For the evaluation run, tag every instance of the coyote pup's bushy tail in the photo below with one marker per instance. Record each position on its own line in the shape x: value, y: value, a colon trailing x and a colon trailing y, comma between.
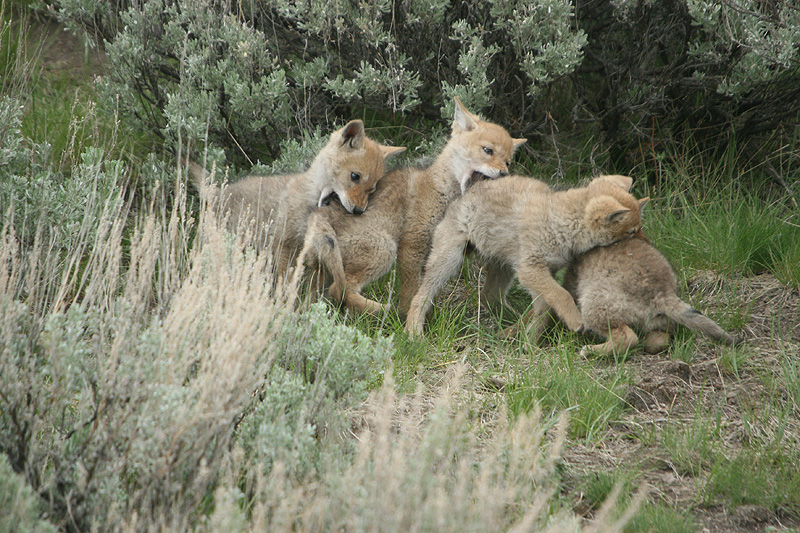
x: 201, y: 178
x: 684, y: 314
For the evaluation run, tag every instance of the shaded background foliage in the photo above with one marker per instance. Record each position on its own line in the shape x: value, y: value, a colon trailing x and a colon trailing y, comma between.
x: 661, y: 71
x: 243, y: 75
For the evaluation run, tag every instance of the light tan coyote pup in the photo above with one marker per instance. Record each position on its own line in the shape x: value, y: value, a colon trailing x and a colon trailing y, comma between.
x: 403, y: 213
x: 627, y: 285
x: 519, y: 226
x: 349, y: 166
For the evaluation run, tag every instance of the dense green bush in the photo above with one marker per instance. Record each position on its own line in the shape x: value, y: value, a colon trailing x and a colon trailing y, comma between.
x: 656, y: 72
x: 246, y: 75
x: 19, y: 504
x: 322, y: 370
x: 130, y: 397
x: 173, y: 396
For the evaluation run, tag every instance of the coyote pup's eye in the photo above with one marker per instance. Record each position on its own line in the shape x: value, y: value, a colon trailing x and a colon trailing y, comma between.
x: 488, y: 150
x: 355, y: 176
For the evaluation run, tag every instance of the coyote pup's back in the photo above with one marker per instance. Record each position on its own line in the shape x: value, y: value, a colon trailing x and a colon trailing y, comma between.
x: 628, y: 285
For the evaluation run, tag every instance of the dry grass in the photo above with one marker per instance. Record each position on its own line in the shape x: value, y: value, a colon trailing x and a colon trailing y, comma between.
x: 123, y: 385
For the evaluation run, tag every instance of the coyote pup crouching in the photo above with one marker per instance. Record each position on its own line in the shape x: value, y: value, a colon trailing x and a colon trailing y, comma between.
x: 519, y: 226
x: 628, y: 285
x: 276, y: 208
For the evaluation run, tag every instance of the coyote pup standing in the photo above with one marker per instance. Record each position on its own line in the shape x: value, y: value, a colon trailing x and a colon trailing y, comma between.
x: 349, y: 166
x: 404, y: 211
x: 631, y: 284
x: 522, y: 227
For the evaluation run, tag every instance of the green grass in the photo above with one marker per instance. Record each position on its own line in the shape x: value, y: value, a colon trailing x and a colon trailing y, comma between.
x: 734, y: 359
x: 691, y: 446
x: 10, y: 34
x: 768, y: 477
x: 790, y: 379
x: 763, y: 473
x: 659, y: 517
x: 63, y: 116
x: 730, y: 231
x: 596, y: 487
x: 65, y: 113
x: 682, y: 346
x: 554, y: 382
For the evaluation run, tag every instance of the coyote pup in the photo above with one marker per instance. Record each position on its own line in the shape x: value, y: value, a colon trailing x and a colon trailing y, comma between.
x: 628, y: 285
x: 349, y: 166
x: 403, y: 214
x: 522, y: 227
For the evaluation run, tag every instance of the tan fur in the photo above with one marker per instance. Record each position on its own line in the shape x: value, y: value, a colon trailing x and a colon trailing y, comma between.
x: 277, y: 208
x: 523, y: 228
x: 630, y: 286
x: 404, y: 211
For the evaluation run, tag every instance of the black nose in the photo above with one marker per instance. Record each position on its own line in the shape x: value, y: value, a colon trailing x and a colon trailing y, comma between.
x: 357, y: 210
x: 503, y: 173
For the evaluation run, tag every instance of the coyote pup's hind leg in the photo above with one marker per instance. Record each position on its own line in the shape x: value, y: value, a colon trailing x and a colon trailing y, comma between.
x: 496, y: 283
x: 656, y: 341
x: 620, y: 340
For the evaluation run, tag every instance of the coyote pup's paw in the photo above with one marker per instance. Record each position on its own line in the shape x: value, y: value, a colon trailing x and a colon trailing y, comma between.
x: 589, y: 349
x: 594, y: 349
x: 656, y: 342
x: 375, y: 308
x: 510, y: 332
x: 414, y: 331
x: 574, y: 321
x: 335, y: 293
x: 414, y: 325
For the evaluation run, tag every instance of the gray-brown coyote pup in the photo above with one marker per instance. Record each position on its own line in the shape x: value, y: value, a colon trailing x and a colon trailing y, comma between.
x: 521, y: 227
x: 628, y: 285
x: 403, y: 213
x: 278, y: 207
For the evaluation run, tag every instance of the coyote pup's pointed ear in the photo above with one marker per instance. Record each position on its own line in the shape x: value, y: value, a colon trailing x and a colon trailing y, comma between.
x: 615, y: 216
x: 352, y: 134
x: 462, y: 119
x: 516, y: 143
x: 389, y: 151
x: 643, y: 202
x: 623, y: 182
